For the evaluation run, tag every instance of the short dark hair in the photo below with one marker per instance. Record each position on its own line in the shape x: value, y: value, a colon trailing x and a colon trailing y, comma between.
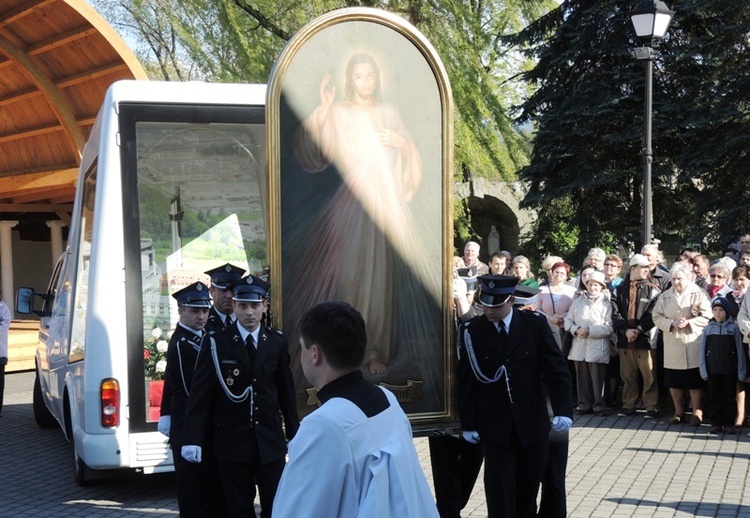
x: 339, y: 330
x: 498, y: 254
x: 701, y: 258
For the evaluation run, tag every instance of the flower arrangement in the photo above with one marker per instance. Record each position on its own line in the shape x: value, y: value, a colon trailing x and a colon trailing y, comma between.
x: 155, y: 355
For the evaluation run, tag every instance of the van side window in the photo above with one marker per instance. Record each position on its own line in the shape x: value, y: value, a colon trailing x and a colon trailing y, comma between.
x: 49, y: 298
x: 80, y: 304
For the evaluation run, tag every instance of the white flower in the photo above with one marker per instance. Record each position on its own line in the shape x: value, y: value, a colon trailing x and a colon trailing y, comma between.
x: 162, y: 346
x: 161, y: 365
x: 156, y: 332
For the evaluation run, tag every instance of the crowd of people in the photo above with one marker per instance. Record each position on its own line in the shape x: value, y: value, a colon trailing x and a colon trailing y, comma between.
x: 639, y: 335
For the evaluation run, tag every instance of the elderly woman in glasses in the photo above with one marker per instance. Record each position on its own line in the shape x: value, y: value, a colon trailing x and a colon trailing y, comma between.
x: 682, y: 312
x: 718, y: 277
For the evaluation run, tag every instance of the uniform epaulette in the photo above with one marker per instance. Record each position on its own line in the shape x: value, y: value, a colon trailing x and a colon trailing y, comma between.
x: 216, y: 332
x: 274, y: 330
x: 531, y: 313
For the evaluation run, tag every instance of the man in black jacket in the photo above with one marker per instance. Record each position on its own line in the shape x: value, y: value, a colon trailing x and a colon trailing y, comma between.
x: 221, y: 314
x: 632, y: 304
x: 198, y: 488
x: 507, y: 358
x: 242, y: 387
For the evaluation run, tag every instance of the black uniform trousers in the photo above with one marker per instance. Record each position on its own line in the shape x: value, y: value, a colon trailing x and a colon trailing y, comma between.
x: 455, y: 467
x: 238, y: 482
x: 194, y: 497
x: 553, y: 503
x: 512, y: 475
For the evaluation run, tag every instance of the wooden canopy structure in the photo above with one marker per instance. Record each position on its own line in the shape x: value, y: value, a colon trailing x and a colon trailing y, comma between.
x: 57, y: 59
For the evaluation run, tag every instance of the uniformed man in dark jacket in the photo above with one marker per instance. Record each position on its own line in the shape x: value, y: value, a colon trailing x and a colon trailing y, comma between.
x: 506, y: 359
x: 221, y: 314
x: 242, y: 387
x: 198, y: 489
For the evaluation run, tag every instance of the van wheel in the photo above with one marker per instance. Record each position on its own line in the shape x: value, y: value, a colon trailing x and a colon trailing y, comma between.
x: 42, y: 415
x: 81, y: 471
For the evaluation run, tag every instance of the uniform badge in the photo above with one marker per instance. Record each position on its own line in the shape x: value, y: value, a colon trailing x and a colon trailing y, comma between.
x: 491, y: 285
x: 236, y: 372
x: 230, y: 381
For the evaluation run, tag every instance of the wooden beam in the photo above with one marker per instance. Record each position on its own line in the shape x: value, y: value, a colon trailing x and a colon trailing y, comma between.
x: 42, y: 130
x: 57, y: 102
x: 90, y: 74
x: 33, y: 132
x: 64, y: 216
x: 44, y: 170
x: 27, y: 7
x: 34, y: 207
x: 60, y: 39
x: 50, y: 179
x: 69, y: 197
x: 44, y: 194
x: 20, y: 96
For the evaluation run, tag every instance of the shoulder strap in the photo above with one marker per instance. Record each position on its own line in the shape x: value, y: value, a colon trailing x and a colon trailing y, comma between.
x: 554, y: 311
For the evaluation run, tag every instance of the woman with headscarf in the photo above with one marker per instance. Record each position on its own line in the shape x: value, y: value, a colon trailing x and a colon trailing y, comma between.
x: 681, y: 313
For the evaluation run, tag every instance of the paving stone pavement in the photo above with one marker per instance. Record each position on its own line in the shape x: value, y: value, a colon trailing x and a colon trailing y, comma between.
x: 617, y: 467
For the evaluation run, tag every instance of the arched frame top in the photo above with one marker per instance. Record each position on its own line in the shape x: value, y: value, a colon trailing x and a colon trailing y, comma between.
x: 309, y: 42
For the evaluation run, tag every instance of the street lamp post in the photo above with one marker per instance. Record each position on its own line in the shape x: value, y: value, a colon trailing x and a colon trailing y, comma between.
x: 651, y: 20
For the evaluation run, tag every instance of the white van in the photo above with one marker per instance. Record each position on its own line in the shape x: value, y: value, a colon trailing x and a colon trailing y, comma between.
x: 171, y: 185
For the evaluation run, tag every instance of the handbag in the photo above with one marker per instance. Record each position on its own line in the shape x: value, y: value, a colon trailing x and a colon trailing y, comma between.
x: 566, y: 339
x: 567, y: 342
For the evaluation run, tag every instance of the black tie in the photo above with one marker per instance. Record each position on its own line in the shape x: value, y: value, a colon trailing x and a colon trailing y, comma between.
x: 501, y: 329
x: 250, y: 344
x: 228, y: 322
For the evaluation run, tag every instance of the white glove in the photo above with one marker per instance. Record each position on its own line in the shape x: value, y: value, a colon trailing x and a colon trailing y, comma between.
x: 560, y: 423
x: 191, y: 453
x: 459, y: 287
x: 472, y: 437
x: 164, y: 424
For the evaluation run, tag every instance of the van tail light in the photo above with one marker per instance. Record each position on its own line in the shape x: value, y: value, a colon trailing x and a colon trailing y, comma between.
x: 110, y: 403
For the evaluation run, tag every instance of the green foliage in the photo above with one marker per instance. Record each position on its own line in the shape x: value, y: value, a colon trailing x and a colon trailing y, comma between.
x: 238, y: 40
x: 588, y: 114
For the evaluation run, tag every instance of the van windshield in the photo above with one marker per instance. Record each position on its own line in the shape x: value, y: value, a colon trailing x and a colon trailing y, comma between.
x: 200, y: 206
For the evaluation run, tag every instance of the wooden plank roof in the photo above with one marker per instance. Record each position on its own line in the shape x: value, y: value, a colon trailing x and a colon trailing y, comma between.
x: 57, y: 59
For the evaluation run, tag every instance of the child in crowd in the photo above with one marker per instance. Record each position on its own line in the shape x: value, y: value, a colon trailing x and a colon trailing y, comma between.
x: 722, y: 363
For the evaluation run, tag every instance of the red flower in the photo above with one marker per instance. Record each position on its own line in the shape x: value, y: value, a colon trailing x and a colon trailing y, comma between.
x: 146, y: 354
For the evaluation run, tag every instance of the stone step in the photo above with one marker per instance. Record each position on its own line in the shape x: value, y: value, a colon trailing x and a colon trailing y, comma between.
x: 23, y: 339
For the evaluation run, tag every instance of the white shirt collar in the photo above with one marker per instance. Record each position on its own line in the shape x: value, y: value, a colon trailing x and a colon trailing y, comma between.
x: 198, y: 332
x: 244, y: 332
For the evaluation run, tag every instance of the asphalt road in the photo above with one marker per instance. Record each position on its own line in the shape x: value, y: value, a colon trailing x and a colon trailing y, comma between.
x: 36, y: 478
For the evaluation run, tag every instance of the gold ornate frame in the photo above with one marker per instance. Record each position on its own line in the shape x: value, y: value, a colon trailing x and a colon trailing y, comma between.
x: 385, y: 23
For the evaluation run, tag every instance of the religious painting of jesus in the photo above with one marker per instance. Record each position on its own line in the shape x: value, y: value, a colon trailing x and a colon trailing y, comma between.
x: 363, y: 200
